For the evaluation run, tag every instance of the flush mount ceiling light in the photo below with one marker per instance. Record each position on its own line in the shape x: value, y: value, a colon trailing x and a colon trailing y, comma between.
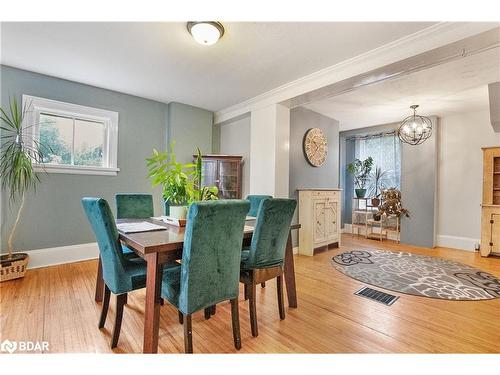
x: 415, y: 129
x: 206, y: 32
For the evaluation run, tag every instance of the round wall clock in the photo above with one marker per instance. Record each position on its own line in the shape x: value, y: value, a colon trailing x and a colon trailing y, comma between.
x: 315, y: 147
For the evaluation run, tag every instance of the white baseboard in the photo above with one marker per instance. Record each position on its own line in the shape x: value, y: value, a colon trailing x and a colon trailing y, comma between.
x: 295, y: 250
x: 63, y: 254
x: 455, y: 242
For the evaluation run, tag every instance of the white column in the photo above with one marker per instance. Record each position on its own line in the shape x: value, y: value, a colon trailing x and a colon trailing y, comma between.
x: 269, y: 150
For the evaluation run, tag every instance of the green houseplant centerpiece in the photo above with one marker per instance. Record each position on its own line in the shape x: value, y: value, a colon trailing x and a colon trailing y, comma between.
x: 181, y: 183
x: 360, y: 170
x: 18, y: 154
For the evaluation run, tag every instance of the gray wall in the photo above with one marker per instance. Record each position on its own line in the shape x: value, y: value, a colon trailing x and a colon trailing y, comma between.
x: 302, y: 174
x: 189, y: 127
x: 54, y: 217
x: 419, y: 188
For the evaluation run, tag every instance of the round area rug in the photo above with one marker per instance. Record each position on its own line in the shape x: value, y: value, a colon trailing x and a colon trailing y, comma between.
x: 419, y: 275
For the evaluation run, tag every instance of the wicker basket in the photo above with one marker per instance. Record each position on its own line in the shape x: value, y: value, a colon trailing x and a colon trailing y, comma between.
x: 13, y: 268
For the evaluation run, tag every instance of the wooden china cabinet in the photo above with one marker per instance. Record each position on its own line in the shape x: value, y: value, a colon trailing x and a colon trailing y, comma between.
x: 490, y: 220
x: 225, y: 172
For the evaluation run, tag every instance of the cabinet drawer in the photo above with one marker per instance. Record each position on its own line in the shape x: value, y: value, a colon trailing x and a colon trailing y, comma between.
x: 325, y: 194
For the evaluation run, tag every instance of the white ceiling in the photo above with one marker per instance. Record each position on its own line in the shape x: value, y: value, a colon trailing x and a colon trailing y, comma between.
x: 161, y: 61
x: 446, y: 89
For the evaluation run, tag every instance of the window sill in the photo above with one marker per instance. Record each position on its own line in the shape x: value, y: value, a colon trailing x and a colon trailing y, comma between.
x: 71, y: 169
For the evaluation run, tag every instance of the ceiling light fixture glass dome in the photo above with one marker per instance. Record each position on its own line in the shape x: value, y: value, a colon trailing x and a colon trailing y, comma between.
x: 206, y: 32
x: 415, y: 129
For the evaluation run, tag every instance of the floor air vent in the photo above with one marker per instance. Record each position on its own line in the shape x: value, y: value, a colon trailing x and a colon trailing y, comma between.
x: 376, y: 295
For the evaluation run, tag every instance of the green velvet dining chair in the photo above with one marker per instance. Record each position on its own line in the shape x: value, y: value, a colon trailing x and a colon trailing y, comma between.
x: 255, y: 203
x: 211, y: 256
x: 264, y: 259
x: 121, y: 274
x: 130, y: 206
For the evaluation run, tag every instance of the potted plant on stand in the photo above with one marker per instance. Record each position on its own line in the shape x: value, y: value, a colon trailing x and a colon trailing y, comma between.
x: 378, y: 181
x: 181, y: 183
x: 360, y: 170
x: 19, y: 153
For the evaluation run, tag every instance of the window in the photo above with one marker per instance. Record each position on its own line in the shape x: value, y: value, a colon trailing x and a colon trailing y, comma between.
x: 77, y: 139
x: 386, y: 153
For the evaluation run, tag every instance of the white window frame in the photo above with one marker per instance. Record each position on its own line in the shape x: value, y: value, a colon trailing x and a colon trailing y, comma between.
x: 38, y: 106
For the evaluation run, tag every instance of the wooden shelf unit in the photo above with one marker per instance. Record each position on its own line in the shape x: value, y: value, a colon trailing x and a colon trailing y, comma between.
x: 490, y: 210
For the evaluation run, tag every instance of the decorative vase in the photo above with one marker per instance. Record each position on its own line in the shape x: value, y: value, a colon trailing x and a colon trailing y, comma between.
x: 377, y: 216
x: 360, y: 193
x: 375, y: 202
x: 14, y: 267
x: 178, y: 212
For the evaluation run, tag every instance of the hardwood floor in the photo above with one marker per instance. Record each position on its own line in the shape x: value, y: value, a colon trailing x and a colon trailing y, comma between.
x: 56, y: 304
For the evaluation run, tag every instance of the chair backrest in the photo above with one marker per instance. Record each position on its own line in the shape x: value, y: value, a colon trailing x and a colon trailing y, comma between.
x: 255, y: 203
x: 271, y: 233
x: 211, y: 256
x: 134, y: 206
x: 103, y: 225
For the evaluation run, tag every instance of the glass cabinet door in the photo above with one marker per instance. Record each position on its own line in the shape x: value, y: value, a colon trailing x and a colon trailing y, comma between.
x: 228, y: 180
x: 209, y: 173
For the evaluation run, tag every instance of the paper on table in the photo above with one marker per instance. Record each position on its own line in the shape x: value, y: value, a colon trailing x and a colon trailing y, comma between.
x: 142, y: 226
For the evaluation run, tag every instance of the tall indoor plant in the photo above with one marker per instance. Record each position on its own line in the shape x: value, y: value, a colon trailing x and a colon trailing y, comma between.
x: 181, y: 183
x: 360, y: 170
x: 19, y: 152
x: 377, y: 182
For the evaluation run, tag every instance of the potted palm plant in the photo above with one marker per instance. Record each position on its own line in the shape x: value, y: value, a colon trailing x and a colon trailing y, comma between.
x: 360, y: 170
x: 181, y: 183
x: 377, y: 182
x: 19, y: 153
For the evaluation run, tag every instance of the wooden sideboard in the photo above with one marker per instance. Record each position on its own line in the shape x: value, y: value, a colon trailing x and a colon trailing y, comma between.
x: 319, y: 216
x: 490, y: 209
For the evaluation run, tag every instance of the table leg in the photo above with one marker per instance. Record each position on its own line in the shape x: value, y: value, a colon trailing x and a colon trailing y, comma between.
x: 291, y: 290
x: 152, y: 310
x: 99, y: 283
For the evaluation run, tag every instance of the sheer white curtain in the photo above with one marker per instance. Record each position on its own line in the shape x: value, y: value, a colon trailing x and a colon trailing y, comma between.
x: 386, y: 153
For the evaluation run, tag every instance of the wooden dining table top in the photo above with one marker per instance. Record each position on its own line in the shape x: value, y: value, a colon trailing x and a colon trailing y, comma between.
x: 170, y: 239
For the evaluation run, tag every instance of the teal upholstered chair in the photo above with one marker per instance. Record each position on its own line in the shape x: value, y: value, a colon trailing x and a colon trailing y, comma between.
x: 254, y: 209
x: 255, y: 203
x: 131, y: 206
x: 211, y: 258
x: 121, y: 274
x: 264, y: 259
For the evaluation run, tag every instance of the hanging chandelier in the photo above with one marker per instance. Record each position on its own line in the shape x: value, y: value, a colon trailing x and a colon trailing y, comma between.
x: 415, y: 129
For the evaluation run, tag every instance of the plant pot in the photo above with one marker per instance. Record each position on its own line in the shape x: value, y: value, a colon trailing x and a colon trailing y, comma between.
x: 360, y: 193
x: 375, y: 202
x: 14, y: 267
x: 178, y: 212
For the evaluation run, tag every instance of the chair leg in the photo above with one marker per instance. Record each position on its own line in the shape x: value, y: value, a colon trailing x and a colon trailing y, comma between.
x: 263, y: 285
x: 181, y: 318
x: 120, y: 302
x: 253, y: 309
x: 188, y: 334
x: 235, y: 318
x: 281, y: 304
x: 208, y: 312
x: 245, y: 288
x: 105, y: 306
x: 213, y: 309
x: 162, y: 301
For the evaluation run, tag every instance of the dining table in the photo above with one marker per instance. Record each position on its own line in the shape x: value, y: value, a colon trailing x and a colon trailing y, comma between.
x: 161, y: 247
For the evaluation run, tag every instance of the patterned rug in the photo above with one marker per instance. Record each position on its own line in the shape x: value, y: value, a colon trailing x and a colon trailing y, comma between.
x: 418, y: 275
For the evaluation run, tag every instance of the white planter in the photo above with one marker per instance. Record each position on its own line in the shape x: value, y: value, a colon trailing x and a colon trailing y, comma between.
x: 178, y: 212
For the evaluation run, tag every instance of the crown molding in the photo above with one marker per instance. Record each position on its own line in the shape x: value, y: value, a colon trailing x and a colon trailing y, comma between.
x: 424, y: 40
